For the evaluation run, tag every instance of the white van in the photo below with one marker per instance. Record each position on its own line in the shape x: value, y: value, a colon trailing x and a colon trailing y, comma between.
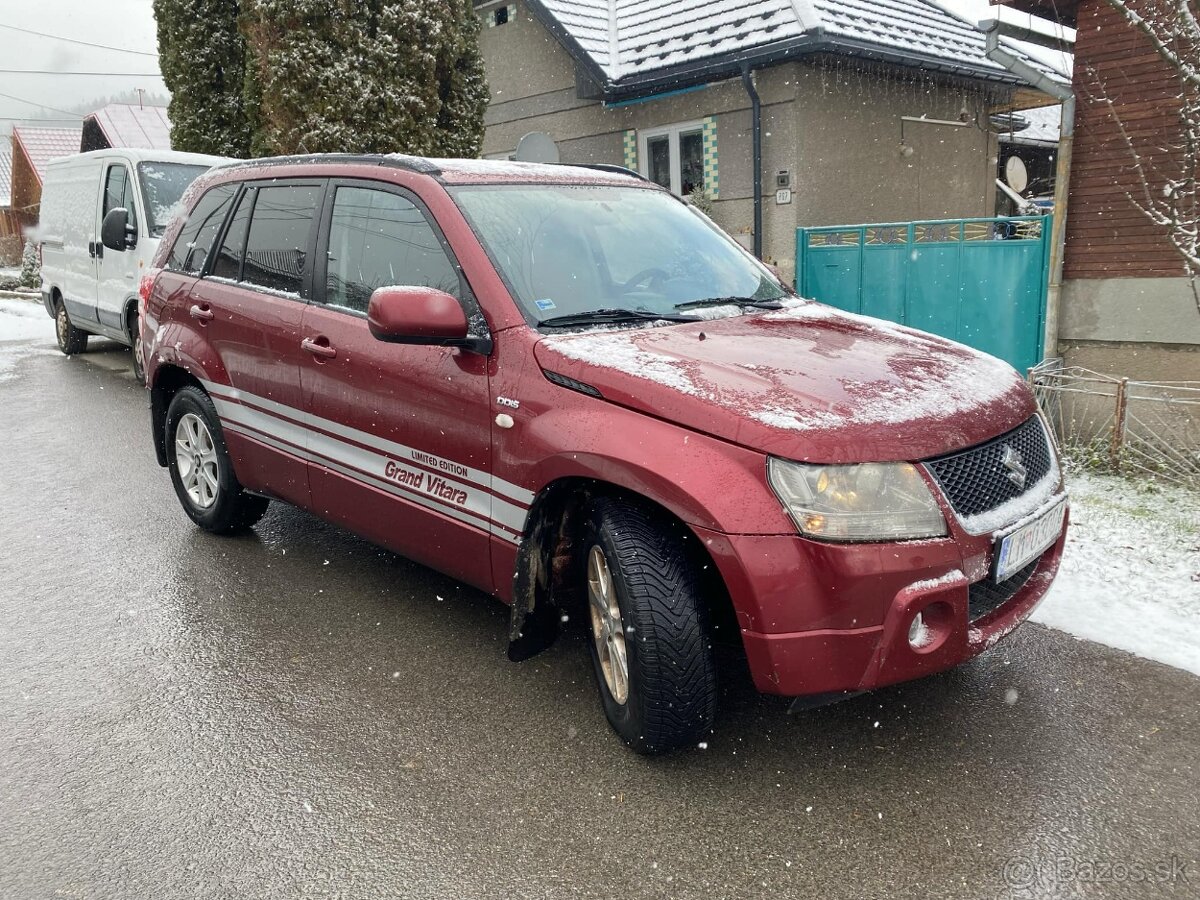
x: 102, y: 216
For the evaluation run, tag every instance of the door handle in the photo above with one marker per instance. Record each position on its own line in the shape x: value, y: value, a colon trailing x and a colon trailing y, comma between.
x: 317, y: 348
x: 203, y: 313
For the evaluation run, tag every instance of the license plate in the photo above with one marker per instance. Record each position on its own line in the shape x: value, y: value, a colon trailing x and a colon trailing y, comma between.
x: 1016, y: 550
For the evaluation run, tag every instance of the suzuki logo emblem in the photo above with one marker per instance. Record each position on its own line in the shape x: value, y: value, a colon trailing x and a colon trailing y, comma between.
x: 1015, y: 463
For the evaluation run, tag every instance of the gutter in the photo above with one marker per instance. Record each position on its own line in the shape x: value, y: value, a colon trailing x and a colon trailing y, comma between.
x: 1062, y: 175
x: 756, y: 128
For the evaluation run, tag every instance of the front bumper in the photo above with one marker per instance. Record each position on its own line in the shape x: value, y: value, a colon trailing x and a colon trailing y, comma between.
x: 821, y: 618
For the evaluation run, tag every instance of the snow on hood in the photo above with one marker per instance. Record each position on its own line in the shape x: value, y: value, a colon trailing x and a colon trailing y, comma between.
x: 806, y: 382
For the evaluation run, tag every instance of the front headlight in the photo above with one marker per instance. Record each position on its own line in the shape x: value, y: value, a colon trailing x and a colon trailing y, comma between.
x: 863, y: 502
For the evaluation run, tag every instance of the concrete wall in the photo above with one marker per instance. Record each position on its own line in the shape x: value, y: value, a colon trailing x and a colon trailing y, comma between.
x: 836, y: 130
x: 1147, y: 329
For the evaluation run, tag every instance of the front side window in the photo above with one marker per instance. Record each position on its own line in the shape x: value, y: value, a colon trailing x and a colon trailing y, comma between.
x: 118, y: 193
x: 674, y: 157
x: 567, y: 250
x: 163, y: 185
x: 377, y: 239
x: 196, y: 238
x: 278, y: 239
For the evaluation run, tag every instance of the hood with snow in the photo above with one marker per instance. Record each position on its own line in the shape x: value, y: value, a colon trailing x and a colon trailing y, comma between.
x: 807, y: 382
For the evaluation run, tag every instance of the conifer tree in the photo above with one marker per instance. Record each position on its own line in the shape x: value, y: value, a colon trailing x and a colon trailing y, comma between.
x: 202, y: 57
x: 462, y: 85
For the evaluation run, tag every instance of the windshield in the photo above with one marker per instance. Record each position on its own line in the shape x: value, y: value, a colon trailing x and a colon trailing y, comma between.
x: 163, y: 185
x: 567, y: 250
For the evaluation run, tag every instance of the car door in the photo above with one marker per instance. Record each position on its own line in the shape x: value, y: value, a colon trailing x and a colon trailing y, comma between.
x: 249, y: 301
x: 116, y: 271
x: 400, y: 435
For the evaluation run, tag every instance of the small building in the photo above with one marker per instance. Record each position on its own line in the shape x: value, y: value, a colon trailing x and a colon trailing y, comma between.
x: 866, y: 112
x: 1127, y: 306
x: 32, y: 148
x: 127, y: 126
x: 10, y: 228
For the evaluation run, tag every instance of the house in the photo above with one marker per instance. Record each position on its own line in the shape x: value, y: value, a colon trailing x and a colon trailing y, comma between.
x: 10, y: 228
x: 127, y: 126
x: 32, y: 148
x: 784, y: 112
x: 1127, y: 306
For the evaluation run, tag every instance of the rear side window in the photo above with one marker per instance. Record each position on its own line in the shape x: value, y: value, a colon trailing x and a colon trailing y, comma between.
x: 378, y: 238
x: 277, y: 244
x: 118, y: 192
x: 229, y: 258
x: 200, y: 231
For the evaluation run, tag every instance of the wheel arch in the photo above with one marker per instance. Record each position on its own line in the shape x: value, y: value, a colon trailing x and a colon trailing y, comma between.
x: 543, y: 591
x: 168, y: 379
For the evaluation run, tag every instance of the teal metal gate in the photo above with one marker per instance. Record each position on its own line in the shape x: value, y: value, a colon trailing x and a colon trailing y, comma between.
x: 982, y: 282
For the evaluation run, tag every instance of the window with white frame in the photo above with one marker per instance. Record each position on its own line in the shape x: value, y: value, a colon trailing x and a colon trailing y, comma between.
x: 673, y: 156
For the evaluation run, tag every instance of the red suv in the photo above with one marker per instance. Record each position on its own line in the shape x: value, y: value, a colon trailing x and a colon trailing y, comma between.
x: 568, y: 388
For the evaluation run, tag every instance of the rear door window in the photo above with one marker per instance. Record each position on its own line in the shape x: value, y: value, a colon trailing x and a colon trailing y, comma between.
x: 277, y: 245
x: 198, y: 234
x: 228, y: 263
x: 379, y: 238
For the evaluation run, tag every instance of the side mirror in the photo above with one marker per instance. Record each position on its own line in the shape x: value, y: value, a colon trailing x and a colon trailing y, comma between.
x: 116, y: 232
x: 421, y: 315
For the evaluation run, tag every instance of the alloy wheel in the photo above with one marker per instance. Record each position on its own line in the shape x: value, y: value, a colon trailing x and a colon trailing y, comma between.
x: 196, y: 460
x: 608, y: 631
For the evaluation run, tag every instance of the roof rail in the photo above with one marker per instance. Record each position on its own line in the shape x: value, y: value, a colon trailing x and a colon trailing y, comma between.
x: 609, y: 167
x: 393, y: 160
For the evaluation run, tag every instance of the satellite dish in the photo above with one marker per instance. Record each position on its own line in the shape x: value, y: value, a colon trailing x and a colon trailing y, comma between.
x: 1016, y: 174
x: 538, y: 147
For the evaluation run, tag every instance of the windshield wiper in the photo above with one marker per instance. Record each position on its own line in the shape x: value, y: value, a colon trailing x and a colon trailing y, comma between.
x: 606, y: 316
x: 730, y: 301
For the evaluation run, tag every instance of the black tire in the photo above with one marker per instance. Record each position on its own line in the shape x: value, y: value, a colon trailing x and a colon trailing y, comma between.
x: 672, y: 681
x: 71, y: 340
x: 231, y: 509
x: 135, y: 348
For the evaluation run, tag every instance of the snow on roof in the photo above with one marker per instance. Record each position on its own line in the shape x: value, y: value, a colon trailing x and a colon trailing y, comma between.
x: 466, y: 171
x: 5, y: 177
x: 627, y: 39
x: 44, y: 144
x: 1044, y: 124
x: 126, y: 125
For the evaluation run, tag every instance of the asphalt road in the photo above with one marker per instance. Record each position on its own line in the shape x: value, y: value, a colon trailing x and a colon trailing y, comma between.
x: 295, y: 713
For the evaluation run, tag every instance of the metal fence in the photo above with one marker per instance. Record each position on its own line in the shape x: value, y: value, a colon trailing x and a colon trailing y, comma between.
x: 1124, y: 426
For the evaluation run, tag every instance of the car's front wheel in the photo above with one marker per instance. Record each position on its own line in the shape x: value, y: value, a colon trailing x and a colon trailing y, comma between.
x: 649, y: 643
x: 200, y: 467
x: 71, y: 340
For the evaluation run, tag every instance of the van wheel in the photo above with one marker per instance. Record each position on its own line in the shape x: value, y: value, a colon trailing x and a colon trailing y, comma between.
x: 135, y: 347
x: 649, y: 643
x: 71, y: 340
x: 200, y: 467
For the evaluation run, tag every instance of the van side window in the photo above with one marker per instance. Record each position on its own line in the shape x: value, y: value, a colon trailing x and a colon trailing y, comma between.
x: 277, y: 245
x: 198, y: 233
x: 378, y: 238
x: 118, y: 192
x: 229, y: 258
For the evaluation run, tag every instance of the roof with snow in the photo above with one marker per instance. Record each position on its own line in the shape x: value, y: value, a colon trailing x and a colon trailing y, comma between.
x: 126, y: 125
x: 41, y: 145
x: 1041, y: 129
x: 5, y: 177
x: 628, y: 43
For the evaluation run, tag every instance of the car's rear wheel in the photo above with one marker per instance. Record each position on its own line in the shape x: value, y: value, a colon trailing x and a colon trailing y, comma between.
x: 200, y: 467
x: 71, y: 340
x: 646, y: 619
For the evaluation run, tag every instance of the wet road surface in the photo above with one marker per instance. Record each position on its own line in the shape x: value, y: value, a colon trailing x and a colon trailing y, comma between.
x: 295, y: 713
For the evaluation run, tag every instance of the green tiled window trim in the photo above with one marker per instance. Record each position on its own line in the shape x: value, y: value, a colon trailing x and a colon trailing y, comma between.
x: 712, y: 181
x: 631, y: 150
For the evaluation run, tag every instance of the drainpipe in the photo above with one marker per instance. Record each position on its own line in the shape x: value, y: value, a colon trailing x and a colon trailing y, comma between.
x: 756, y: 128
x: 1062, y: 176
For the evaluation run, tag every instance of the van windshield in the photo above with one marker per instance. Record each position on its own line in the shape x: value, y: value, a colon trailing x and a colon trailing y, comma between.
x: 571, y: 252
x: 163, y: 185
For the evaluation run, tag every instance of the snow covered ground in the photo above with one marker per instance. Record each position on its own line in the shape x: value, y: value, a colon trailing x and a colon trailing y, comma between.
x: 1131, y: 573
x: 1130, y: 577
x: 24, y: 329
